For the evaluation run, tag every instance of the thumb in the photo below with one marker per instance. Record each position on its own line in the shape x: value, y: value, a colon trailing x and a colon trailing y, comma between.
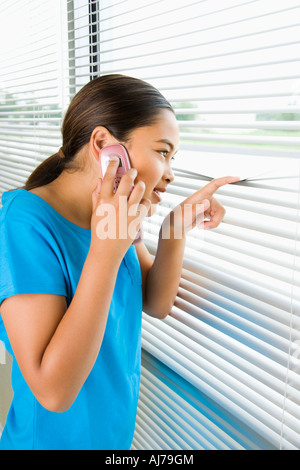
x: 96, y: 193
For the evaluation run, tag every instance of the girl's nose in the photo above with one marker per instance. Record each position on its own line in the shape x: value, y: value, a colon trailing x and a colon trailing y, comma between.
x: 168, y: 175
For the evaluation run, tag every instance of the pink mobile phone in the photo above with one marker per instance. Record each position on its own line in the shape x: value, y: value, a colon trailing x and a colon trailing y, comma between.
x: 105, y: 156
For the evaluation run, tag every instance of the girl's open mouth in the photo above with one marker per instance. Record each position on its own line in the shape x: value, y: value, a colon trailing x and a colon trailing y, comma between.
x: 157, y: 192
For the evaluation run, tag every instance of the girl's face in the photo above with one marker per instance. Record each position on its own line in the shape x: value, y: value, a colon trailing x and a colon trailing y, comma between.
x: 151, y: 150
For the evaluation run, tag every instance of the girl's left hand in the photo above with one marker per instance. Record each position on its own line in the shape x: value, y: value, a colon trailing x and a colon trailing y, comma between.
x: 200, y: 205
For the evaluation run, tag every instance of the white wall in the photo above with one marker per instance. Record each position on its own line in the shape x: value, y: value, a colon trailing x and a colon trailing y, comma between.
x: 5, y: 387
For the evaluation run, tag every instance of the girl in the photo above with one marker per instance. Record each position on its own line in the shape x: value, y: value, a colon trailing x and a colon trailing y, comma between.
x: 71, y: 298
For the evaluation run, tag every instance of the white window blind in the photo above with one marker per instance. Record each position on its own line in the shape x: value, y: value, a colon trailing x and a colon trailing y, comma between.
x: 222, y: 371
x: 32, y: 88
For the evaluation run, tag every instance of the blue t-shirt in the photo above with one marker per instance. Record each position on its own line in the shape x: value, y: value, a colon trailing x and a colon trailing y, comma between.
x: 43, y: 253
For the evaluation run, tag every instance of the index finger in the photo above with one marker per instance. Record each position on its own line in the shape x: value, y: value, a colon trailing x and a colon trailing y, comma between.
x: 209, y: 189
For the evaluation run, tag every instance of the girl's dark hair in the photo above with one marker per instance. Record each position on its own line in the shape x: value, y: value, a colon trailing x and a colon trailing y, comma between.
x: 117, y: 102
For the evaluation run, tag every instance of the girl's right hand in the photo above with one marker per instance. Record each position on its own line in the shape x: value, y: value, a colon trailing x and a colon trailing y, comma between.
x: 200, y: 205
x: 117, y: 217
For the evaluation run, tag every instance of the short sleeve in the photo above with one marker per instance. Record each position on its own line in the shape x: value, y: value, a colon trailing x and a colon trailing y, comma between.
x: 30, y: 261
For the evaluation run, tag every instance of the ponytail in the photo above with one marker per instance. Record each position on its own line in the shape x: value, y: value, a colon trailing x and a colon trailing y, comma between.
x: 46, y: 172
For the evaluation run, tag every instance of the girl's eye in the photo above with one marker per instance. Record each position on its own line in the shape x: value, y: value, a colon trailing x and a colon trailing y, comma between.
x: 165, y: 153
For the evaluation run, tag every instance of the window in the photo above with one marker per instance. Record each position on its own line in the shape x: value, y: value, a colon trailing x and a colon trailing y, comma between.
x: 32, y: 90
x: 222, y: 370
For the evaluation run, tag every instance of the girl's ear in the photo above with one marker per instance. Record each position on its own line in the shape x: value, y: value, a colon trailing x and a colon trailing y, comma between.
x: 101, y: 137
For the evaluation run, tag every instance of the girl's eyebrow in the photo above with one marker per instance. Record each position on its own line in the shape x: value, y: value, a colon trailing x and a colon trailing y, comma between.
x: 166, y: 141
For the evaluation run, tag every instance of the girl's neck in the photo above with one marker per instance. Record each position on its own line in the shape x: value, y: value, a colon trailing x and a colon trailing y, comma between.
x: 71, y: 196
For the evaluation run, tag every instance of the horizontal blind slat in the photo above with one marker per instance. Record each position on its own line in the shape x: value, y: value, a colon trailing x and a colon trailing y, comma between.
x: 266, y: 369
x: 271, y: 125
x: 262, y: 409
x: 32, y: 90
x: 266, y: 396
x: 211, y: 391
x: 200, y: 422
